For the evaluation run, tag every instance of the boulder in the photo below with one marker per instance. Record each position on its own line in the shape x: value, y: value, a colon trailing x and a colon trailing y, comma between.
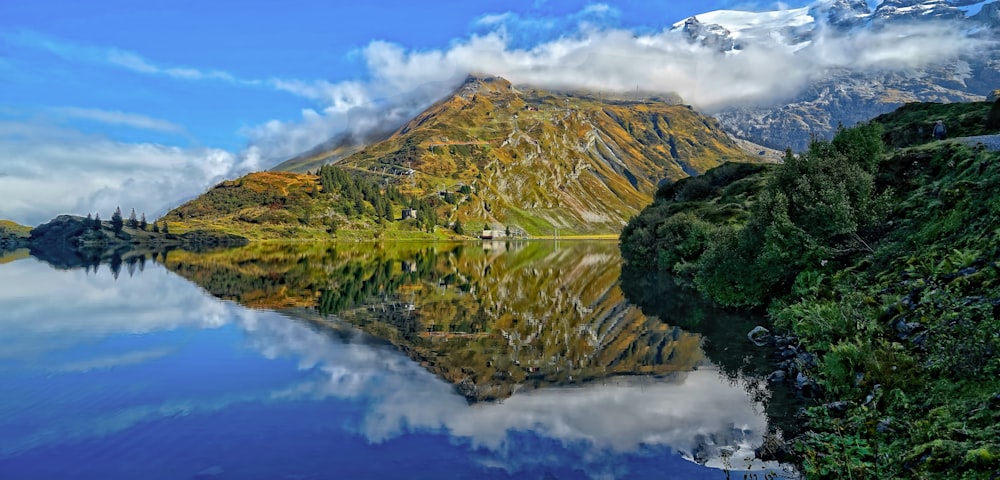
x: 760, y: 336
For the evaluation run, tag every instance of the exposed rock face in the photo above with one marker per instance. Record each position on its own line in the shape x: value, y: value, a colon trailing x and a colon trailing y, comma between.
x: 989, y: 15
x: 712, y: 36
x: 842, y: 13
x: 908, y: 10
x: 845, y: 97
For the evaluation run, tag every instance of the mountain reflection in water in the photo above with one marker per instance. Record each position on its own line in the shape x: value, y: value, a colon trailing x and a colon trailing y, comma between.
x: 544, y: 330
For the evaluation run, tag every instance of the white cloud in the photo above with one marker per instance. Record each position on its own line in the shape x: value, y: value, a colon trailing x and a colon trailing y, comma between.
x: 47, y: 170
x: 114, y: 117
x: 586, y: 56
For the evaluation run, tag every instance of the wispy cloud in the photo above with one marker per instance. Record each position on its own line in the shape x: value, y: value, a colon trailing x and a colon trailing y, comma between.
x: 113, y: 117
x: 136, y: 63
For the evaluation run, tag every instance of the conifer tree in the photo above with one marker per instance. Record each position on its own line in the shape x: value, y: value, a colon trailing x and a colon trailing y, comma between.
x: 165, y: 229
x: 142, y: 221
x: 156, y: 228
x: 132, y: 221
x: 116, y: 220
x: 97, y: 222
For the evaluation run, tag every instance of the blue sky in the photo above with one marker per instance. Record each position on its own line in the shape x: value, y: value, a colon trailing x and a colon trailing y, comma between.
x: 55, y: 57
x: 144, y: 105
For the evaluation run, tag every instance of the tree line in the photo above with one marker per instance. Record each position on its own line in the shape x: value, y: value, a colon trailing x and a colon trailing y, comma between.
x: 118, y: 222
x: 360, y: 195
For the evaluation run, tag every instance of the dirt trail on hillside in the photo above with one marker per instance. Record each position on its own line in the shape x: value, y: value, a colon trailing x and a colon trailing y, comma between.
x: 991, y: 142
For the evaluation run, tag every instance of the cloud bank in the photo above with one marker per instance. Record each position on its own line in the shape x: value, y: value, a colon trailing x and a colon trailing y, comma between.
x: 47, y: 171
x: 401, y: 81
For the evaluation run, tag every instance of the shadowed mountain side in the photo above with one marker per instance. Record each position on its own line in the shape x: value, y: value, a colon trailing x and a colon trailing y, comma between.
x: 489, y: 320
x: 540, y: 160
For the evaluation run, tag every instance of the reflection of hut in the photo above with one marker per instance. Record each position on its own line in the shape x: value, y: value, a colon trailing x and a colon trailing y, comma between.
x: 409, y: 213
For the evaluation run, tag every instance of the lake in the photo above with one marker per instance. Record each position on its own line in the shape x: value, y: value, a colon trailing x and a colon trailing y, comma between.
x: 410, y: 360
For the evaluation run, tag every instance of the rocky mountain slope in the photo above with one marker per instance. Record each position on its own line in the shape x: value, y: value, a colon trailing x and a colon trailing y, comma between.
x: 847, y: 95
x: 538, y: 161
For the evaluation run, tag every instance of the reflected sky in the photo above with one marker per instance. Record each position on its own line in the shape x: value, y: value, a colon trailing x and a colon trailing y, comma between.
x: 148, y: 375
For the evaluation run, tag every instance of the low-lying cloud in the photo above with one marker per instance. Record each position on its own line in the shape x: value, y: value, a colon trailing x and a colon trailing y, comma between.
x: 404, y: 81
x: 47, y: 170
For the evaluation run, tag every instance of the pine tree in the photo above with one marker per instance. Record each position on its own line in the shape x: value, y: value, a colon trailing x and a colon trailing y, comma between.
x: 116, y: 220
x: 97, y: 222
x: 458, y: 227
x: 165, y: 229
x: 142, y: 221
x: 388, y: 211
x: 156, y: 228
x: 132, y: 221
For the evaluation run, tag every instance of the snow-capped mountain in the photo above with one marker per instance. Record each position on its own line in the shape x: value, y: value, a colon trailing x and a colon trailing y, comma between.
x: 841, y: 94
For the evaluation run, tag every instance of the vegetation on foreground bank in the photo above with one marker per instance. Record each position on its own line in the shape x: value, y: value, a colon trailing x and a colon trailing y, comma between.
x: 882, y: 266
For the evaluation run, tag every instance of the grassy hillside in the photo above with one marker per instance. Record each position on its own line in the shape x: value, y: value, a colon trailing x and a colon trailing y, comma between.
x: 912, y: 124
x: 541, y: 161
x: 13, y: 229
x: 13, y: 235
x: 881, y: 267
x: 281, y: 205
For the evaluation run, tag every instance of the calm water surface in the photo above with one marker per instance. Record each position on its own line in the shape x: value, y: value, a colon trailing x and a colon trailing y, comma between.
x: 399, y: 361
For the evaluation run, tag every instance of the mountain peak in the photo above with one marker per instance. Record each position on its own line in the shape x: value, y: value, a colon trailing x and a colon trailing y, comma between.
x: 478, y: 82
x: 577, y: 162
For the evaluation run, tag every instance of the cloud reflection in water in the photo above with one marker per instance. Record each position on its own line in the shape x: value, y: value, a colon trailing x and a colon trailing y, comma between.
x: 686, y: 412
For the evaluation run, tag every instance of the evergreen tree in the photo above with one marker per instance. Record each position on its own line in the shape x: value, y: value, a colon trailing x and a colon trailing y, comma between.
x: 142, y: 221
x: 458, y: 227
x: 97, y: 222
x: 156, y: 228
x: 387, y: 211
x: 132, y: 221
x: 165, y: 228
x: 116, y: 220
x: 993, y: 118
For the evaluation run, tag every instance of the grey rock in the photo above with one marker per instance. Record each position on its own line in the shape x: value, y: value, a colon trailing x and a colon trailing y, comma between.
x: 837, y: 409
x: 885, y: 426
x: 760, y: 336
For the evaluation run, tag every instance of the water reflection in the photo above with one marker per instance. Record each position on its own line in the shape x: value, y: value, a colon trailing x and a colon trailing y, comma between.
x: 80, y: 371
x: 489, y: 320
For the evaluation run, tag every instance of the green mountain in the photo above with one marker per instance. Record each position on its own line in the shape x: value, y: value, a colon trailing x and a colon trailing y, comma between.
x: 875, y: 255
x: 492, y: 154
